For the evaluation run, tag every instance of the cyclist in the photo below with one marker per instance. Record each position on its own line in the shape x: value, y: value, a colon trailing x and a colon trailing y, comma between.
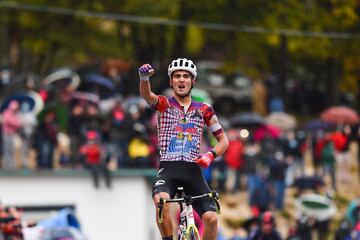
x: 180, y: 126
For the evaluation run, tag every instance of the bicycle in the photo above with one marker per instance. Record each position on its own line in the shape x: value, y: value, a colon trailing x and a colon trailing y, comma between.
x: 187, y: 229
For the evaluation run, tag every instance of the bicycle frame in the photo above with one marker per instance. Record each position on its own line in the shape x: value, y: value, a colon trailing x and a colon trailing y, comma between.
x: 187, y: 229
x: 188, y: 223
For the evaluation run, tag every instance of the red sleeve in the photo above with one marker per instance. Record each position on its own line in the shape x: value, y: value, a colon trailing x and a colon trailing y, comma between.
x: 162, y: 104
x: 208, y: 113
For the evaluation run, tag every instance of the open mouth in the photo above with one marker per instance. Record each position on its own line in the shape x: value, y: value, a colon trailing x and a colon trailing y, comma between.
x: 181, y: 86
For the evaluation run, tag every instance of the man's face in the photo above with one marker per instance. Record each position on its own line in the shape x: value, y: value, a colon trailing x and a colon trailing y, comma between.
x: 181, y: 82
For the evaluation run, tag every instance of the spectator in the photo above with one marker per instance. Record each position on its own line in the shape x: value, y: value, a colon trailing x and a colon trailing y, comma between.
x: 11, y: 124
x: 343, y: 231
x: 252, y: 160
x: 316, y: 145
x: 46, y: 140
x: 76, y: 120
x: 292, y: 150
x: 328, y: 161
x: 343, y: 156
x: 278, y: 168
x: 29, y: 122
x: 96, y: 158
x: 304, y: 227
x: 267, y: 229
x: 139, y: 148
x: 234, y: 158
x: 262, y: 197
x: 119, y: 132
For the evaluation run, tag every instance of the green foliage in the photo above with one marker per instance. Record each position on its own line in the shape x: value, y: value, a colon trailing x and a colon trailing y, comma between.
x: 72, y: 39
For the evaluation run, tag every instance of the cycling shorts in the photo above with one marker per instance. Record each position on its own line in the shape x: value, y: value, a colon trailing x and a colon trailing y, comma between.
x: 174, y: 174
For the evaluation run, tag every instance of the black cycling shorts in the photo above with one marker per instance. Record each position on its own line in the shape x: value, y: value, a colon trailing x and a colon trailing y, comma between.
x: 188, y: 175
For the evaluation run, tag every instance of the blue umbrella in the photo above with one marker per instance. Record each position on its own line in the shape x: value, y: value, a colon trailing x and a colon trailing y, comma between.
x: 317, y: 124
x: 100, y: 80
x: 21, y: 98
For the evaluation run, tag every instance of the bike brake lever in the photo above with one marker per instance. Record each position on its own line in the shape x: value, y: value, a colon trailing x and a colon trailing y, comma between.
x: 160, y: 206
x: 215, y: 196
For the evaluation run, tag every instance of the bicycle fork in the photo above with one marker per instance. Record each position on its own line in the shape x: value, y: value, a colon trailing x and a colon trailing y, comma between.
x: 190, y: 230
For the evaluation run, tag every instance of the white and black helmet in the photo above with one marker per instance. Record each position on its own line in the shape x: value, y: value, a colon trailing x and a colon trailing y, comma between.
x: 182, y: 64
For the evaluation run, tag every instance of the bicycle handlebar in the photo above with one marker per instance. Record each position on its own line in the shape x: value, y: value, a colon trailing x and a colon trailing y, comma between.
x: 187, y: 200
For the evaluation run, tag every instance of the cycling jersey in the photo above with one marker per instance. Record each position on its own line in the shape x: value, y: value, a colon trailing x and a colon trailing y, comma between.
x: 180, y: 131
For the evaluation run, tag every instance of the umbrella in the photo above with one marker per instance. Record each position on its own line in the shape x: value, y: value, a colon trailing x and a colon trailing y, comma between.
x: 67, y: 76
x: 85, y: 97
x: 308, y: 182
x: 100, y: 80
x: 135, y: 101
x: 247, y: 119
x: 267, y: 131
x: 112, y: 63
x: 39, y: 102
x: 281, y: 120
x: 315, y: 205
x: 21, y: 98
x: 340, y: 115
x: 22, y: 81
x: 316, y: 124
x: 32, y: 98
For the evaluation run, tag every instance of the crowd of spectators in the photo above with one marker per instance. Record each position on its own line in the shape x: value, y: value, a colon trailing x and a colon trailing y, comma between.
x: 102, y: 127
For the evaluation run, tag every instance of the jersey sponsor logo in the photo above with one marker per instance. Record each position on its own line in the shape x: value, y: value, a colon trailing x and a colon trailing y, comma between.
x: 181, y: 145
x: 160, y: 171
x: 159, y: 182
x: 196, y: 115
x: 185, y: 127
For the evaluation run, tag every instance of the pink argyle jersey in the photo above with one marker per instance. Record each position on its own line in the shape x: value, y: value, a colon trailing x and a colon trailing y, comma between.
x: 180, y: 132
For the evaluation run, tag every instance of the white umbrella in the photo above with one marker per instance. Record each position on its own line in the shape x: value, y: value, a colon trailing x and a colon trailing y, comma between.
x: 63, y: 74
x: 281, y: 120
x: 39, y: 102
x: 315, y: 205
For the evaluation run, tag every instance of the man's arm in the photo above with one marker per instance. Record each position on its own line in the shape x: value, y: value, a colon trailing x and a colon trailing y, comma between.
x: 220, y: 147
x: 145, y: 72
x: 222, y: 144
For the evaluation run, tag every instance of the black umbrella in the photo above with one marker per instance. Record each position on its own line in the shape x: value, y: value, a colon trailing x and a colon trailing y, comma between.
x: 317, y: 124
x: 308, y: 182
x: 247, y: 119
x: 22, y: 82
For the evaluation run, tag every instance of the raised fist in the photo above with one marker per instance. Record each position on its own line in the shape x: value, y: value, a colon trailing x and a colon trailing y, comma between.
x: 145, y: 72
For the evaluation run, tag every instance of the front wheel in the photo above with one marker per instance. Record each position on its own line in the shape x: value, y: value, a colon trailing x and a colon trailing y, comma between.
x: 193, y: 234
x: 181, y: 234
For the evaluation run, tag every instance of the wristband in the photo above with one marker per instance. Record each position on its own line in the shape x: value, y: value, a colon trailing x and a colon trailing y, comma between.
x: 144, y: 78
x: 214, y: 153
